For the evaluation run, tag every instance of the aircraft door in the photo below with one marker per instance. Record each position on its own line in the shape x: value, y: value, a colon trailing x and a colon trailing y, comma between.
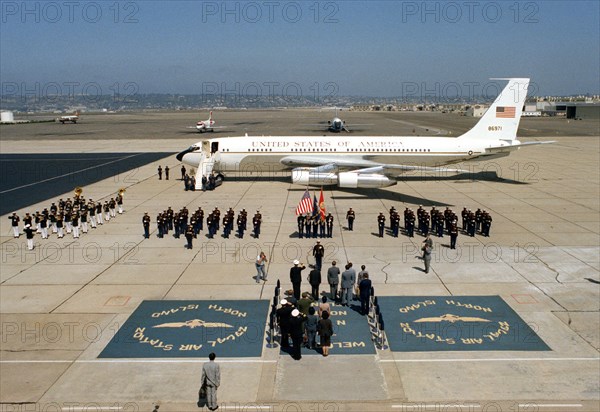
x: 214, y: 147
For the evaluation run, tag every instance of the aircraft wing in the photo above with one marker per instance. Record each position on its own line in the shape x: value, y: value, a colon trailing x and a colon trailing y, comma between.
x: 363, y: 166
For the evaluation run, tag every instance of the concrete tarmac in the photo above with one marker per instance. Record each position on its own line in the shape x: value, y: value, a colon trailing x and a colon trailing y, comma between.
x: 61, y: 303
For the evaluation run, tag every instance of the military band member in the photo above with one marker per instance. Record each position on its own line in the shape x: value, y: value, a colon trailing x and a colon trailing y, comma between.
x: 301, y: 219
x: 119, y: 200
x: 99, y: 213
x: 106, y: 209
x: 410, y: 224
x: 318, y: 252
x: 241, y: 225
x: 146, y: 224
x: 83, y: 219
x: 329, y: 223
x: 210, y: 225
x: 59, y: 224
x: 350, y: 216
x: 381, y: 223
x: 75, y: 223
x: 112, y: 206
x: 36, y: 218
x: 15, y: 224
x: 159, y: 172
x: 52, y: 221
x: 44, y: 226
x: 68, y: 219
x: 29, y: 233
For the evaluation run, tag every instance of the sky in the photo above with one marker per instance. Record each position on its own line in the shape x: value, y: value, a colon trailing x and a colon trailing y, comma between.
x: 329, y: 48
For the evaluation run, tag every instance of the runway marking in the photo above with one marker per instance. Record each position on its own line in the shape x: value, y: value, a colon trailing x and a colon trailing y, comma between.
x: 88, y: 408
x: 550, y: 405
x: 437, y: 405
x: 490, y: 360
x: 69, y: 174
x: 139, y: 361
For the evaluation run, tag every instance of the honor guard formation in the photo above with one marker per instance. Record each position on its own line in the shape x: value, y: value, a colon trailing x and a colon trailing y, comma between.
x: 71, y: 216
x: 182, y: 223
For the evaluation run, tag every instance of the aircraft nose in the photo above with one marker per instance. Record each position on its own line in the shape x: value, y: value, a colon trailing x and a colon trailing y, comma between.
x: 181, y: 154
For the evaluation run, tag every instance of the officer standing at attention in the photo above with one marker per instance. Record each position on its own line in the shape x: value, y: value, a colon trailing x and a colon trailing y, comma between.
x: 329, y: 222
x: 256, y: 222
x: 381, y: 223
x: 146, y: 223
x: 318, y: 253
x: 308, y: 225
x: 300, y: 220
x: 395, y: 223
x: 350, y: 215
x: 182, y: 172
x: 453, y: 234
x: 189, y: 235
x: 159, y: 172
x: 166, y: 172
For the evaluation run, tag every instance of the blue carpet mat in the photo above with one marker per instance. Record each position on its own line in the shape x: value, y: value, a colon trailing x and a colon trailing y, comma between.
x: 352, y: 335
x: 191, y: 328
x: 455, y: 323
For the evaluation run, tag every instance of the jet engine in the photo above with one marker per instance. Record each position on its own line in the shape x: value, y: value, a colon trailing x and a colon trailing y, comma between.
x: 364, y: 180
x: 311, y: 176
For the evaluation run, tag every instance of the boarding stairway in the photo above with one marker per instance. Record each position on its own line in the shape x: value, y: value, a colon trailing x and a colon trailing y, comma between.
x: 205, y: 168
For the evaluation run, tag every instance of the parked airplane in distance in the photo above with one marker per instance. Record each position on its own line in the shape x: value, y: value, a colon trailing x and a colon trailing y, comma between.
x: 207, y: 125
x: 365, y: 161
x: 70, y: 118
x: 337, y: 125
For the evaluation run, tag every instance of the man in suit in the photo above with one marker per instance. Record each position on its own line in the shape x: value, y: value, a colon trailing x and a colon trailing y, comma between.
x: 348, y: 280
x: 364, y: 288
x: 333, y: 278
x: 211, y: 378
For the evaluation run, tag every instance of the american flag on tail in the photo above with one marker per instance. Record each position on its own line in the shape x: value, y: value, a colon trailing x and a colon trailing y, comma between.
x: 505, y: 112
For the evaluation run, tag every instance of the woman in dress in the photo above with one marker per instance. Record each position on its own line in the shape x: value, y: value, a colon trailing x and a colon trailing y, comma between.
x: 325, y: 329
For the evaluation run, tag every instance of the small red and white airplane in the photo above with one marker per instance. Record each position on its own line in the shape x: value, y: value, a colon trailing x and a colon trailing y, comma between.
x: 207, y: 125
x: 70, y: 118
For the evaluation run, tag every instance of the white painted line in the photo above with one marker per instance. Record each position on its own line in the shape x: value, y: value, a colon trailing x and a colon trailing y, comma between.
x: 437, y: 405
x: 140, y: 361
x: 492, y: 360
x: 91, y: 407
x: 550, y: 405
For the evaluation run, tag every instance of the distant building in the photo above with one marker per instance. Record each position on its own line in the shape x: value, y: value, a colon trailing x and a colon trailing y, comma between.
x: 476, y: 110
x: 7, y: 117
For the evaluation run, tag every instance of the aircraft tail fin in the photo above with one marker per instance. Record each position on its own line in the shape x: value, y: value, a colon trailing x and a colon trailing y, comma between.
x: 501, y: 120
x: 210, y: 115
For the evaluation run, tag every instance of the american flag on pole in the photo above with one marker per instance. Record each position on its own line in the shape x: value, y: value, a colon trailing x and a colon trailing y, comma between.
x: 305, y: 205
x: 505, y: 112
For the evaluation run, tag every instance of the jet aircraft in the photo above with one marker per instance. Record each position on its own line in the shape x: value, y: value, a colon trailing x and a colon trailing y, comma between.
x: 207, y: 125
x: 70, y: 118
x: 365, y: 161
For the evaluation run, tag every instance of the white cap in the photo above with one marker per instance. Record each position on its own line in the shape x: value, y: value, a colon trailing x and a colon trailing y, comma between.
x: 296, y: 262
x: 27, y: 226
x: 295, y: 312
x: 283, y: 302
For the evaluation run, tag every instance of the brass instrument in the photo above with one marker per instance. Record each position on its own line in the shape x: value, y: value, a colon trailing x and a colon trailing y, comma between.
x: 78, y: 191
x: 122, y: 191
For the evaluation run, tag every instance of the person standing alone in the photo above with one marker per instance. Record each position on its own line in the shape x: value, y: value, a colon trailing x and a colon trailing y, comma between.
x: 211, y: 379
